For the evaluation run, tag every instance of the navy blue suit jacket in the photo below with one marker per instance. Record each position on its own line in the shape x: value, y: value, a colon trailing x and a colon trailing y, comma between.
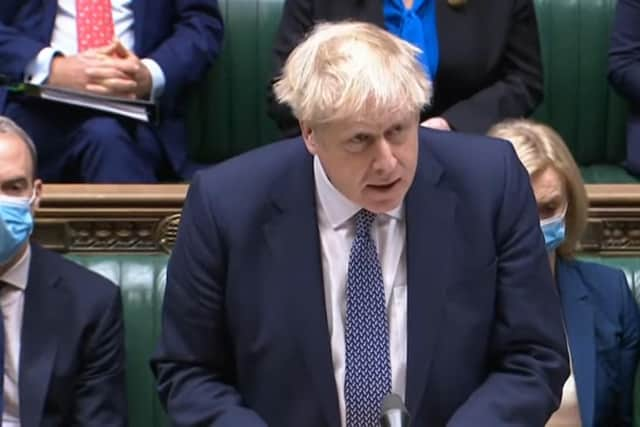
x: 72, y: 347
x: 182, y: 36
x: 624, y: 72
x: 603, y: 330
x: 245, y: 339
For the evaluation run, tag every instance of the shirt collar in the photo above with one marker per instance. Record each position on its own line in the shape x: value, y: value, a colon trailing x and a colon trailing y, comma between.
x: 18, y: 274
x: 338, y: 208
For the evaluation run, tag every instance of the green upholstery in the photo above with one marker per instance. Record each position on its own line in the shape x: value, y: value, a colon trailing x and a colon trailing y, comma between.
x: 579, y: 103
x: 228, y: 110
x: 610, y: 174
x: 142, y: 280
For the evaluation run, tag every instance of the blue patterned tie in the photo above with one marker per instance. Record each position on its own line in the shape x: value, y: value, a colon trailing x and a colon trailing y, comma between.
x: 368, y: 366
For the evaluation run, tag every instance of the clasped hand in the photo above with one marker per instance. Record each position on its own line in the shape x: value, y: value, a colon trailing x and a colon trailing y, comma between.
x: 109, y: 70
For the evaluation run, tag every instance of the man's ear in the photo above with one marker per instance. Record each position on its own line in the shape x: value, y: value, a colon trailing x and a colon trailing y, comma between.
x: 37, y: 187
x: 309, y: 137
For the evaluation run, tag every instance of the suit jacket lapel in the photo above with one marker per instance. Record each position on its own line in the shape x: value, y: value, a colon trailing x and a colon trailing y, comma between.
x: 138, y: 25
x: 293, y: 237
x: 580, y: 328
x: 41, y: 327
x: 430, y: 210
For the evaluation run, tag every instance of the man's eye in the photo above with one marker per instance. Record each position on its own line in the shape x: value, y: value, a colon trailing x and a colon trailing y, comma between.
x: 360, y: 138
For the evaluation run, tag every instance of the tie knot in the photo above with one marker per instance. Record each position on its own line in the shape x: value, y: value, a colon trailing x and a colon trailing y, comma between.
x: 364, y: 219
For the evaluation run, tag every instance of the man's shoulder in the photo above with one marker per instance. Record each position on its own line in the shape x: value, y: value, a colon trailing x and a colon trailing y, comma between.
x: 254, y: 172
x: 464, y: 149
x: 262, y: 159
x: 468, y: 159
x: 74, y: 277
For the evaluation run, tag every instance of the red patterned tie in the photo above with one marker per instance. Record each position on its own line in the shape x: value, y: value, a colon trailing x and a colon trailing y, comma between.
x: 94, y: 23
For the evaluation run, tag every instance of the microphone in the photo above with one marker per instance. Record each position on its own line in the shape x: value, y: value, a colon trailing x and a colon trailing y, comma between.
x: 394, y: 414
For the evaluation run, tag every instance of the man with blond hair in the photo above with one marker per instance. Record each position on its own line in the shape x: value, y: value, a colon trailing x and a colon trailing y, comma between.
x: 313, y: 277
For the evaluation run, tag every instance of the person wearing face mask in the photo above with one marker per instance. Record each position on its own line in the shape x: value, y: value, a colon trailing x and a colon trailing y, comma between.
x: 601, y: 316
x: 61, y: 329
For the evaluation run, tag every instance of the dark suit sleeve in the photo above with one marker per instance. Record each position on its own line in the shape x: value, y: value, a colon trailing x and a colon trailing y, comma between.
x: 194, y: 361
x: 100, y: 391
x: 16, y: 49
x: 629, y: 351
x: 195, y: 43
x: 296, y: 21
x: 528, y: 349
x: 520, y: 87
x: 624, y: 53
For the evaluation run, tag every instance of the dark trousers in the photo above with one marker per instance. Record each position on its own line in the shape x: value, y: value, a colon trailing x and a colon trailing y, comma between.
x: 80, y: 145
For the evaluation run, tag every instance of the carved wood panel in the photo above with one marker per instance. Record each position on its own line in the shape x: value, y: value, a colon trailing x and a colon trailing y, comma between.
x: 145, y: 218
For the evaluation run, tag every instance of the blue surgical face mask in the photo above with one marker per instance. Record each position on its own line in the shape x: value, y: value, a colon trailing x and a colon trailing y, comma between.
x: 554, y: 231
x: 16, y: 223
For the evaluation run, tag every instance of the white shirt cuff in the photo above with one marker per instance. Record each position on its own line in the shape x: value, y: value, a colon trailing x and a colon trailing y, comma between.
x: 37, y: 71
x: 157, y: 78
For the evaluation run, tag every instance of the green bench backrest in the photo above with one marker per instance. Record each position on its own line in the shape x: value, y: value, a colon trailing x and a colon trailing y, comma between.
x: 142, y: 281
x: 579, y: 102
x: 228, y: 110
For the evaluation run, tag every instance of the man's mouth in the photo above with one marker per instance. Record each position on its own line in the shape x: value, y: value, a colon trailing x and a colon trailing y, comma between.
x: 383, y: 187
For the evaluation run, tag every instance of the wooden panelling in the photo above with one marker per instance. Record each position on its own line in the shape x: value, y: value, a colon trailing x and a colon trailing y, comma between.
x: 145, y: 218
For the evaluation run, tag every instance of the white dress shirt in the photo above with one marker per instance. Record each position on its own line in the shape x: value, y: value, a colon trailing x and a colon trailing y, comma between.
x: 337, y: 231
x: 12, y: 303
x: 64, y: 40
x: 568, y: 414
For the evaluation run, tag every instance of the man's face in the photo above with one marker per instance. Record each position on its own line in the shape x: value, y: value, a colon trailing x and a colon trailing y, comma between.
x: 16, y: 169
x: 371, y: 161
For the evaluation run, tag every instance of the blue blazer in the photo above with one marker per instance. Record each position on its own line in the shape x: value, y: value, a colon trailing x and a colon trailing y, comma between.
x: 245, y: 340
x: 624, y: 72
x: 182, y: 36
x: 72, y: 348
x: 603, y: 330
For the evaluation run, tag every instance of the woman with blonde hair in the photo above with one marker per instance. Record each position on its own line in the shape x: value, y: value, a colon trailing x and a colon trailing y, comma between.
x: 600, y: 313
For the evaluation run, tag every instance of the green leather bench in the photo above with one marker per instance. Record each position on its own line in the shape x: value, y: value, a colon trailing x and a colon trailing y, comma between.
x: 228, y: 109
x: 142, y: 280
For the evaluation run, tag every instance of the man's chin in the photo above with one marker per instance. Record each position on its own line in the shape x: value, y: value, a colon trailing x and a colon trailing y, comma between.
x: 378, y: 206
x: 378, y: 200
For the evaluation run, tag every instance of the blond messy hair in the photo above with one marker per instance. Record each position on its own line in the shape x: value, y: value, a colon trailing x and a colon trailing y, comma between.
x: 348, y: 69
x: 539, y: 147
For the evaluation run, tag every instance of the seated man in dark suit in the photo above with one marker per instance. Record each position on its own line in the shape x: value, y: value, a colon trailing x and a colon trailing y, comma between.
x: 163, y: 46
x: 624, y: 72
x: 315, y: 276
x: 61, y: 329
